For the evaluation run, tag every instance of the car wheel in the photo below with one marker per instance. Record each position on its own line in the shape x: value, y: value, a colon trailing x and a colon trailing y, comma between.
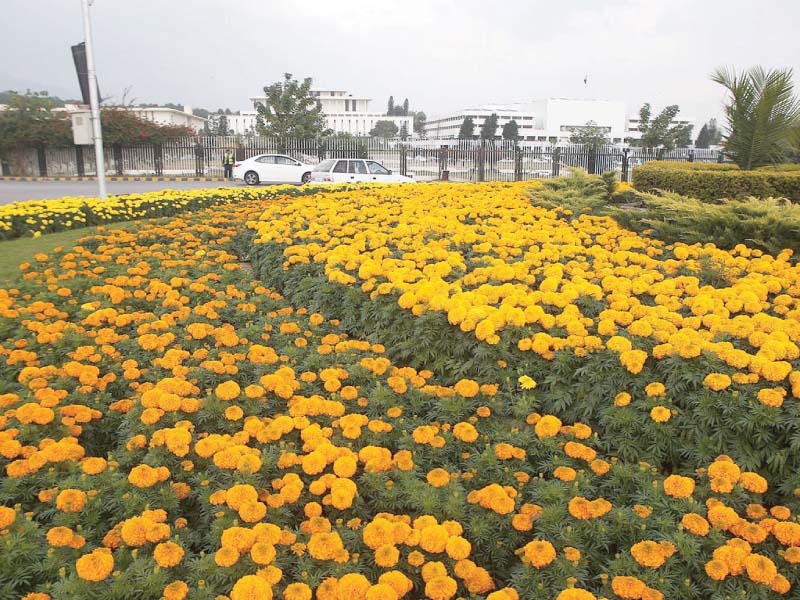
x: 251, y: 178
x: 306, y: 177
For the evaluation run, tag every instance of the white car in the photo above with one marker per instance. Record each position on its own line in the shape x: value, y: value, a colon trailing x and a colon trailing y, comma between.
x: 272, y: 168
x: 351, y: 170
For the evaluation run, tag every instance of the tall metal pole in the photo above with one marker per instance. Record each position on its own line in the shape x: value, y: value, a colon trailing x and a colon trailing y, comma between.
x: 94, y: 101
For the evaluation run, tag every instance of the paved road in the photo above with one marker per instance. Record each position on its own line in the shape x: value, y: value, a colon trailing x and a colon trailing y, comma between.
x: 13, y: 191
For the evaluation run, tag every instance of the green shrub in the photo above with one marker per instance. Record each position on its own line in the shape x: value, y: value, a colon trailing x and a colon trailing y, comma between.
x: 712, y: 183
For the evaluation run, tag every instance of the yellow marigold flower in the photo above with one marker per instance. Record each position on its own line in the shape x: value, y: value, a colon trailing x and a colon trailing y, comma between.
x: 695, y: 524
x: 465, y: 432
x: 438, y: 477
x: 575, y: 594
x: 526, y: 382
x: 168, y: 554
x: 717, y: 381
x: 539, y: 553
x: 71, y: 501
x: 565, y: 473
x: 716, y: 569
x: 547, y: 426
x: 660, y: 414
x: 250, y: 587
x: 678, y: 486
x: 622, y: 399
x: 655, y: 389
x: 177, y: 590
x: 297, y: 591
x: 387, y: 556
x: 441, y: 588
x: 228, y: 390
x: 7, y: 517
x: 96, y: 565
x: 467, y: 388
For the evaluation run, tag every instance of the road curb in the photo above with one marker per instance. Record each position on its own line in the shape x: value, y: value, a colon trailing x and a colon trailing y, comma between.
x: 118, y: 178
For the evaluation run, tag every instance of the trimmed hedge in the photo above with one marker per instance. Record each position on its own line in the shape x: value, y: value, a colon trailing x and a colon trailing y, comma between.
x: 712, y: 182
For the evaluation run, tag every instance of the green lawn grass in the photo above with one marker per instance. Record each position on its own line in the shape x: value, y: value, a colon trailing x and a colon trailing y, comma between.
x: 15, y: 252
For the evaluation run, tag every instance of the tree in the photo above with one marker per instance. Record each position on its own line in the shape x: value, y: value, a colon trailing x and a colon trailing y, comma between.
x: 405, y: 107
x: 703, y: 138
x: 511, y: 131
x: 120, y: 126
x: 714, y: 132
x: 390, y: 107
x: 384, y: 129
x: 467, y: 131
x: 404, y: 132
x: 590, y: 134
x: 489, y: 127
x: 762, y: 113
x: 29, y: 121
x: 420, y: 118
x: 660, y: 132
x: 222, y: 125
x: 290, y: 110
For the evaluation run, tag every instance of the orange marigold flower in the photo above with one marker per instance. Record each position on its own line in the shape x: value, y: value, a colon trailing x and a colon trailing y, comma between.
x: 96, y: 565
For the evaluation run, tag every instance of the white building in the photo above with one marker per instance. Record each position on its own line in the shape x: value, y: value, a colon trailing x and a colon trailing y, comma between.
x: 343, y: 112
x: 170, y: 116
x: 633, y: 132
x: 547, y: 120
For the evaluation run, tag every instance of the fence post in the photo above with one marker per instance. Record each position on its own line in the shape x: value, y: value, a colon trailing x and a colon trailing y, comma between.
x: 591, y: 160
x: 720, y: 156
x: 556, y: 160
x: 80, y: 167
x: 517, y: 163
x: 117, y: 150
x: 625, y: 164
x: 42, y: 156
x: 403, y: 159
x: 482, y: 161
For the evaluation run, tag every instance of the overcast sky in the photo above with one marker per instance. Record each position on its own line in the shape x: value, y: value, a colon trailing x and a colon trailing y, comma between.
x: 441, y: 54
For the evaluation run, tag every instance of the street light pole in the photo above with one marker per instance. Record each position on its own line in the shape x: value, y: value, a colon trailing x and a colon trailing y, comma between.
x: 94, y: 101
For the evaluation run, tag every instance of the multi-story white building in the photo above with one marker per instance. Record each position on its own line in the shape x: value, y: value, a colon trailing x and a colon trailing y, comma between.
x: 549, y: 120
x: 344, y: 113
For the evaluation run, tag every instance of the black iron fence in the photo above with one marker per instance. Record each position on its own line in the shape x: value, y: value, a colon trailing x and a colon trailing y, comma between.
x: 456, y: 160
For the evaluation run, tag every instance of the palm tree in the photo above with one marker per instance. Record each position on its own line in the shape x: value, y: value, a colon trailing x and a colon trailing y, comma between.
x: 761, y: 113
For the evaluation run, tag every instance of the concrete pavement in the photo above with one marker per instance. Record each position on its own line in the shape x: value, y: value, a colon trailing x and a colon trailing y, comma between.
x: 14, y: 191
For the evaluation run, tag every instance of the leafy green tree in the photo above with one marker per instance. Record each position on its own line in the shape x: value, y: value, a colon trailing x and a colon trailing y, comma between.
x: 762, y: 114
x: 29, y: 121
x: 489, y: 127
x: 405, y: 107
x: 222, y: 125
x: 390, y: 107
x: 404, y: 132
x: 420, y: 118
x: 703, y: 138
x: 121, y: 126
x: 290, y: 110
x: 511, y: 131
x: 590, y: 134
x: 384, y: 129
x: 467, y: 131
x: 660, y: 132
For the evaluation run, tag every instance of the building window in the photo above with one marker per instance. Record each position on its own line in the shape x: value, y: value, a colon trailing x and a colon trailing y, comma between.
x: 347, y: 105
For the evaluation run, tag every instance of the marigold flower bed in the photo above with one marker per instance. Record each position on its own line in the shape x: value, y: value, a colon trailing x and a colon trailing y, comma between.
x: 173, y: 428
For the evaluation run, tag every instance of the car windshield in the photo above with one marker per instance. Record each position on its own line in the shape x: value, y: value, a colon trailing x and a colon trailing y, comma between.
x: 325, y: 165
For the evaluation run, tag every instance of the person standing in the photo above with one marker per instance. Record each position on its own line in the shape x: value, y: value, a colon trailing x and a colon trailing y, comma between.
x: 199, y: 155
x: 227, y: 163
